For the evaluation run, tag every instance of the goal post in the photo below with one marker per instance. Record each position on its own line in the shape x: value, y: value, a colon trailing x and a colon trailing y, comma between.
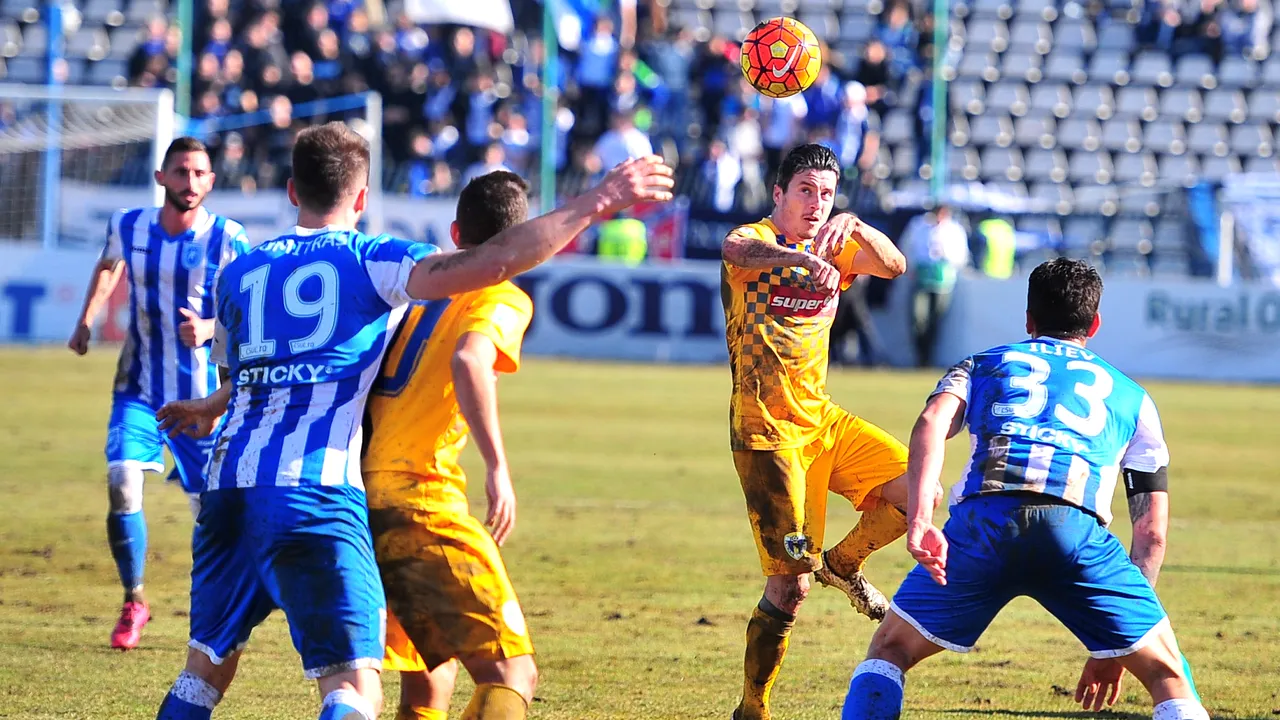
x: 55, y: 137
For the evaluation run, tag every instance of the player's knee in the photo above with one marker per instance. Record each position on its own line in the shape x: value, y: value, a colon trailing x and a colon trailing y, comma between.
x: 787, y: 592
x: 897, y: 642
x: 124, y: 489
x: 218, y: 675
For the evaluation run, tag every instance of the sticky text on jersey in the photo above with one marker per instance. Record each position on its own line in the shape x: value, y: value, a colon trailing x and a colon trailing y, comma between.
x: 278, y: 374
x: 1045, y: 434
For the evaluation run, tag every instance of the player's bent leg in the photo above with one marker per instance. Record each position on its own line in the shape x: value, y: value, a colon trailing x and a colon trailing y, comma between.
x: 504, y: 688
x: 876, y: 689
x: 1162, y: 670
x: 199, y: 687
x: 426, y: 695
x: 351, y: 695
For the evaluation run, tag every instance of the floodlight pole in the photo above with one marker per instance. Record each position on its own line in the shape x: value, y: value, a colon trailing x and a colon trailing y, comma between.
x: 550, y: 104
x: 53, y: 153
x: 186, y: 24
x: 941, y: 113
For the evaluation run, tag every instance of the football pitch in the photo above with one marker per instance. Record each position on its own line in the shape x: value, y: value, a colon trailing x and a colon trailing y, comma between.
x: 632, y: 557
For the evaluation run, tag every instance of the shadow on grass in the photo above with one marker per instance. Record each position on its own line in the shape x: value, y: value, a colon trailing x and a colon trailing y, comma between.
x: 988, y: 712
x: 1221, y: 570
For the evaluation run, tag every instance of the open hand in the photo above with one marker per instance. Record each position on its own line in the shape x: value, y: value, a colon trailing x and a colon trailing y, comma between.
x: 928, y: 546
x: 1099, y: 684
x: 501, y: 519
x: 646, y: 179
x: 188, y: 417
x: 834, y: 234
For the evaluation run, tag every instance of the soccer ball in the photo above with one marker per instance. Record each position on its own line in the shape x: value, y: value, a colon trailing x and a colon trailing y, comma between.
x: 781, y: 57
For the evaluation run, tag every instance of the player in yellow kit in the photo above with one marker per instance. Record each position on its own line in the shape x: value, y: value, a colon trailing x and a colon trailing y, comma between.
x: 791, y: 443
x: 447, y: 590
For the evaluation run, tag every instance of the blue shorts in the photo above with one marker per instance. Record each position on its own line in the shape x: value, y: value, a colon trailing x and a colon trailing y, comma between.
x: 306, y: 550
x: 1005, y: 546
x: 134, y: 439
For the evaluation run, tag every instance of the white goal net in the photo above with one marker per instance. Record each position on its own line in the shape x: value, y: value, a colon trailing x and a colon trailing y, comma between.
x: 58, y: 146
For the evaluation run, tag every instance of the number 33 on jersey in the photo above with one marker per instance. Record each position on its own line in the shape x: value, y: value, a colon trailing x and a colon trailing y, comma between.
x: 1049, y: 416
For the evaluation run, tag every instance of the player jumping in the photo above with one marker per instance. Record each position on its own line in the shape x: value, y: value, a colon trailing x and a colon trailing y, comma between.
x: 169, y: 256
x: 303, y: 321
x: 446, y: 585
x: 1053, y: 427
x: 791, y: 443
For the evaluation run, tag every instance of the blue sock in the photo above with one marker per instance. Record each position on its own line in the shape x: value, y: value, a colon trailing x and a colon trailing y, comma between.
x: 127, y: 534
x: 346, y: 704
x: 875, y: 692
x: 190, y: 698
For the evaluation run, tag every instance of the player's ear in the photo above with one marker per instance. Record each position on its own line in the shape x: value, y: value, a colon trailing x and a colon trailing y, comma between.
x: 292, y: 192
x: 1031, y: 325
x: 454, y: 233
x: 1093, y: 326
x: 159, y: 177
x: 362, y: 200
x: 777, y: 194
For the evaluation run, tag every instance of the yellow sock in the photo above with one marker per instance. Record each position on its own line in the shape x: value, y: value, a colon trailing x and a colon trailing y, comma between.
x: 421, y: 713
x: 495, y: 702
x: 767, y: 635
x: 880, y: 524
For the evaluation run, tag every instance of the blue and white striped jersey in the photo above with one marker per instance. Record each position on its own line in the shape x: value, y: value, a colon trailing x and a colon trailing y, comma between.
x: 1048, y: 416
x: 166, y: 273
x: 303, y: 321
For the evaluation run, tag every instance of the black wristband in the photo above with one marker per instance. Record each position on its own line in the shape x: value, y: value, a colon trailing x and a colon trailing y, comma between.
x: 1137, y: 482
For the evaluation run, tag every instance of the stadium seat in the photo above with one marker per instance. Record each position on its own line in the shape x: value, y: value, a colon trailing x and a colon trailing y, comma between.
x: 25, y: 11
x: 123, y: 42
x: 978, y: 65
x: 967, y: 97
x: 897, y: 127
x: 1050, y: 99
x: 138, y: 12
x: 1030, y: 35
x: 1109, y: 66
x: 1271, y: 71
x: 1075, y: 35
x: 1083, y: 236
x: 1225, y: 106
x: 904, y: 162
x: 1010, y: 96
x: 1236, y: 72
x: 1170, y: 265
x: 1138, y: 103
x: 991, y: 9
x: 1252, y: 140
x: 823, y: 23
x: 103, y: 12
x: 857, y: 28
x: 1207, y: 139
x: 1181, y: 103
x: 1139, y: 202
x: 1034, y: 131
x: 1131, y: 235
x: 10, y: 38
x: 1196, y: 70
x: 107, y: 72
x: 1093, y: 101
x: 1170, y: 236
x: 987, y: 35
x: 731, y: 23
x: 1079, y: 133
x: 1055, y: 195
x: 75, y: 72
x: 1257, y: 164
x: 1001, y: 164
x: 1091, y: 167
x: 1136, y: 169
x: 1152, y: 68
x: 963, y: 163
x: 1116, y: 36
x: 1215, y: 168
x: 91, y: 44
x: 991, y: 130
x: 1017, y: 65
x: 1122, y: 136
x: 1096, y: 199
x: 1264, y: 105
x: 959, y: 134
x: 35, y: 41
x: 1047, y: 10
x: 1181, y: 169
x: 24, y: 70
x: 1065, y: 67
x: 1041, y: 165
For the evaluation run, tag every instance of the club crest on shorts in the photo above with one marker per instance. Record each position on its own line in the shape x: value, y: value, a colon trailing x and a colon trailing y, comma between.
x: 192, y: 255
x: 797, y: 545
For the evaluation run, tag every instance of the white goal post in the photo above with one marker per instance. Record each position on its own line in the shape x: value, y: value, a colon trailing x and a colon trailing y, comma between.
x: 53, y: 136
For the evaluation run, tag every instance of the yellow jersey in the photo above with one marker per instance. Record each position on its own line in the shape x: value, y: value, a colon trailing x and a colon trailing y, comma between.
x: 412, y: 422
x: 778, y: 329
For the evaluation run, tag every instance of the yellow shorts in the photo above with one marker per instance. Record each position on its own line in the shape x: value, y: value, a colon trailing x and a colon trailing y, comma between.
x: 448, y: 594
x: 786, y: 490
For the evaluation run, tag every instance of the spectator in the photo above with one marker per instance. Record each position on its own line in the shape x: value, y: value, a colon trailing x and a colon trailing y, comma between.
x: 302, y: 89
x: 493, y: 160
x: 595, y: 74
x: 939, y: 248
x: 233, y: 165
x: 328, y: 66
x: 232, y: 80
x: 782, y: 128
x: 1246, y: 29
x: 874, y: 74
x: 1200, y: 32
x: 206, y: 76
x: 623, y: 142
x: 517, y: 143
x: 857, y: 140
x: 823, y: 100
x: 720, y: 174
x: 417, y: 171
x: 900, y: 39
x: 219, y: 39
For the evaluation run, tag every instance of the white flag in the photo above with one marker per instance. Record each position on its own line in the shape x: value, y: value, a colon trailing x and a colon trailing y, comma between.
x: 489, y: 14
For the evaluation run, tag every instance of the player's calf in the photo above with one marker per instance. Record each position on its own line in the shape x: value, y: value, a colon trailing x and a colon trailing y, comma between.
x: 426, y: 695
x: 504, y: 688
x: 1162, y: 670
x: 199, y: 687
x: 876, y: 689
x: 351, y: 695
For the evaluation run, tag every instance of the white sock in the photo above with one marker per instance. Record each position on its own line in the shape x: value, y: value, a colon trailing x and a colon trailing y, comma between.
x: 348, y: 698
x: 883, y: 668
x: 1180, y: 709
x: 194, y: 690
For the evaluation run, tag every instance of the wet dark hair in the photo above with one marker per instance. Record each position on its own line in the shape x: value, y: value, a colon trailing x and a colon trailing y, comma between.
x: 490, y: 204
x: 330, y: 162
x: 806, y: 157
x: 1063, y: 297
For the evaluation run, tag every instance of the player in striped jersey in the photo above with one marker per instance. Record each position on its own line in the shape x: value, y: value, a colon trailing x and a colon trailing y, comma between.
x: 303, y: 321
x: 1052, y: 428
x: 168, y: 255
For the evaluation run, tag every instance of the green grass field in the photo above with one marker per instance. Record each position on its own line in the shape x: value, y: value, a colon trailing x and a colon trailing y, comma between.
x: 632, y: 556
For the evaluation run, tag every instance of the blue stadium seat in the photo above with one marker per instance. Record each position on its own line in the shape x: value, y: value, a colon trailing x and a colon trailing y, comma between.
x: 1139, y: 202
x: 1057, y: 195
x: 1170, y: 236
x: 1122, y: 135
x: 1045, y: 9
x: 1075, y: 35
x: 107, y: 72
x: 35, y: 41
x: 1042, y: 165
x: 978, y: 64
x: 1001, y: 164
x: 138, y: 12
x: 1093, y: 101
x: 1271, y: 71
x: 1258, y: 164
x: 1079, y: 133
x: 963, y: 163
x: 1180, y: 169
x: 103, y: 12
x: 1215, y: 169
x: 1030, y: 35
x: 1237, y: 72
x: 27, y: 11
x: 1083, y: 237
x: 857, y: 28
x: 991, y: 129
x: 904, y: 162
x: 967, y: 97
x: 987, y: 35
x: 87, y: 43
x: 897, y: 127
x: 1116, y: 36
x: 1096, y: 199
x: 10, y: 38
x: 1090, y: 167
x: 1034, y: 131
x: 823, y: 23
x: 1252, y: 139
x: 1109, y: 66
x: 1138, y: 103
x: 1131, y: 234
x: 731, y: 23
x: 991, y: 9
x: 1008, y: 96
x: 1152, y: 69
x: 1182, y: 103
x: 1196, y: 70
x: 1170, y: 265
x: 1208, y: 139
x: 122, y: 42
x: 24, y: 70
x: 1264, y: 105
x: 1066, y: 66
x: 1225, y: 106
x: 1017, y: 65
x: 1050, y: 99
x: 1136, y: 168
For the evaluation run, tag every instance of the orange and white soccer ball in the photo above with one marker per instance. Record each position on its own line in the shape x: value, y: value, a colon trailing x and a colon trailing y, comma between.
x: 781, y: 57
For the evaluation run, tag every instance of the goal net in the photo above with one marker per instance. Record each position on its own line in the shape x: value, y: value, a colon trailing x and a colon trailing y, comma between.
x: 61, y: 145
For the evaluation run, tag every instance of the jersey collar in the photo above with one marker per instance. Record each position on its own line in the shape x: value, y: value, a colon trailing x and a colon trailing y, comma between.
x: 203, y: 218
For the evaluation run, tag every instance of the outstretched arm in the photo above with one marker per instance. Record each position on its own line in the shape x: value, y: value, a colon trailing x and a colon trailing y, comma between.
x: 106, y: 274
x: 531, y: 243
x: 942, y: 418
x: 755, y: 254
x: 1149, y: 511
x: 476, y: 385
x: 877, y: 255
